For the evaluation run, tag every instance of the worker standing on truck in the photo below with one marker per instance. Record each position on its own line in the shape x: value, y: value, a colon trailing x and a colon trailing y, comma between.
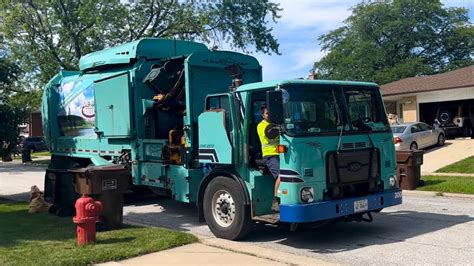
x: 270, y: 154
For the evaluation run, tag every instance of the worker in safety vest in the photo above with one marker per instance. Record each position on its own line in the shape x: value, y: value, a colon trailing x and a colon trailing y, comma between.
x: 270, y: 155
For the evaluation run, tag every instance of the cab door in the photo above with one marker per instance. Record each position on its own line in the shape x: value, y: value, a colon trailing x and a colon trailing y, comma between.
x: 217, y: 130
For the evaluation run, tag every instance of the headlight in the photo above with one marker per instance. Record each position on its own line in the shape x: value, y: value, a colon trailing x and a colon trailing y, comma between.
x: 393, y: 181
x: 307, y: 194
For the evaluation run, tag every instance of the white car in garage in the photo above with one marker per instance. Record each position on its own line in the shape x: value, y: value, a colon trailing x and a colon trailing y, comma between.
x: 413, y: 136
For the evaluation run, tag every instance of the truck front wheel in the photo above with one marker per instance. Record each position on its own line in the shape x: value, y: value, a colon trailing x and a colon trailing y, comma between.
x: 224, y: 210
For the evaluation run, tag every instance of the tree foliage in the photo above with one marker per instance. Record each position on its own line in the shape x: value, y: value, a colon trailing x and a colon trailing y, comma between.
x: 46, y: 36
x: 11, y: 117
x: 388, y: 40
x: 15, y: 89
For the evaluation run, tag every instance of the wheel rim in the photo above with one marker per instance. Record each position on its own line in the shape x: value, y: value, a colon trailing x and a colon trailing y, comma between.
x: 444, y: 117
x: 441, y: 139
x: 223, y: 208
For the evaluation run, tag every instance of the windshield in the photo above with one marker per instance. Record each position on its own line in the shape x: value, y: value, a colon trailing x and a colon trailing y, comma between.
x: 312, y: 110
x: 398, y: 129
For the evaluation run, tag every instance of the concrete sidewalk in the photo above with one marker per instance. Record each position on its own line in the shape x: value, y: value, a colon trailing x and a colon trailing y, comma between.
x: 215, y: 251
x: 195, y: 254
x: 453, y: 151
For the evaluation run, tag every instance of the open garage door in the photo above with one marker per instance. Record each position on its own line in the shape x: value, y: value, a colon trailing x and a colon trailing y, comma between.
x: 429, y: 111
x: 456, y: 117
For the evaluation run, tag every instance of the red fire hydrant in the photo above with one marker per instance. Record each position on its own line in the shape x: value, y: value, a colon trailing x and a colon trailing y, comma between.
x: 87, y: 213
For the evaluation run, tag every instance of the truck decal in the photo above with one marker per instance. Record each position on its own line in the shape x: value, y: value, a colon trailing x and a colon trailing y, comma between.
x: 208, y: 154
x: 290, y: 176
x: 76, y: 116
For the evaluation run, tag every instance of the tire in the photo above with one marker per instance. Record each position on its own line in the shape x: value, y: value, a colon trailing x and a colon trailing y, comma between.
x: 224, y: 209
x: 413, y: 146
x: 441, y: 140
x: 445, y: 117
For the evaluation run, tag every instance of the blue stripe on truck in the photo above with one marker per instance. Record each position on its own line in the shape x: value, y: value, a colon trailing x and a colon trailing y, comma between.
x: 319, y: 211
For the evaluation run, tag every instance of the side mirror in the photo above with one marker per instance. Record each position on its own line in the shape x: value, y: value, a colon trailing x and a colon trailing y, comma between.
x: 275, y: 106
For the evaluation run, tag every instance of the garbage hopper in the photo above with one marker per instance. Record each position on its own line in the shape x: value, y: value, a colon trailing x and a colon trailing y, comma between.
x: 409, y: 168
x: 106, y: 184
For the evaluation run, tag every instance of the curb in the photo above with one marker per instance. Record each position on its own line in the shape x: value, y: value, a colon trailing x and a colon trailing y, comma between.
x: 436, y: 194
x: 445, y: 174
x: 261, y: 252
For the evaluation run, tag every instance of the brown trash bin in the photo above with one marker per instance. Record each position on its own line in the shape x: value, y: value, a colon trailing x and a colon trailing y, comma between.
x: 106, y: 184
x: 409, y: 168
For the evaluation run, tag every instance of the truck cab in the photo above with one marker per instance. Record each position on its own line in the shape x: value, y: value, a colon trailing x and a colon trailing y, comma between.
x: 337, y: 160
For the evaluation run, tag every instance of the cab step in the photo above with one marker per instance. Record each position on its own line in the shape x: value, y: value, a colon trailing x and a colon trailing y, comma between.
x: 272, y: 218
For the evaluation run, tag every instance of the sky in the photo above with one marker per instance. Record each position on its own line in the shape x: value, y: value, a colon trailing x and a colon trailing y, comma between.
x: 298, y: 29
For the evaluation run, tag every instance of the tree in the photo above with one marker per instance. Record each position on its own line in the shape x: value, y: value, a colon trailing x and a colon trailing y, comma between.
x: 9, y: 131
x: 46, y: 36
x: 388, y: 40
x: 10, y: 116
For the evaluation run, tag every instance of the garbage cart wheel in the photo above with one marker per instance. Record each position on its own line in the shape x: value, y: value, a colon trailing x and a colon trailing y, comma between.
x: 224, y: 209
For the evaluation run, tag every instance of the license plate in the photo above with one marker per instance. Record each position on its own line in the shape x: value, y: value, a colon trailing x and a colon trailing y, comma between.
x: 361, y: 205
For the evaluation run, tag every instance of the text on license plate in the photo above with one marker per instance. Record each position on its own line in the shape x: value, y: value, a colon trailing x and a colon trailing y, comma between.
x: 361, y: 205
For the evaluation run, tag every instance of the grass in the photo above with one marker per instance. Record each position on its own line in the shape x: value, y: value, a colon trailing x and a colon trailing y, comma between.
x: 451, y: 184
x: 41, y: 153
x: 44, y: 239
x: 34, y: 155
x: 465, y: 166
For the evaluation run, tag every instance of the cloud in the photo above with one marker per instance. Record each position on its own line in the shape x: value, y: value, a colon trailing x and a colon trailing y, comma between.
x: 323, y: 15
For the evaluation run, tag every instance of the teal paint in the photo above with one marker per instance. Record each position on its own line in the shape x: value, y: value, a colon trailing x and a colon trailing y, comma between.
x: 214, y: 145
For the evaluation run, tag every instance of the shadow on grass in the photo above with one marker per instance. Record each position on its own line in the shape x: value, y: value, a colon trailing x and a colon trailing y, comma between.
x: 17, y: 225
x: 433, y: 182
x: 115, y: 240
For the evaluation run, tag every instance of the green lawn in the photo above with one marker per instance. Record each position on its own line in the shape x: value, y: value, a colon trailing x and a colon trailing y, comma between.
x: 41, y: 153
x: 451, y: 184
x: 44, y: 239
x: 465, y: 166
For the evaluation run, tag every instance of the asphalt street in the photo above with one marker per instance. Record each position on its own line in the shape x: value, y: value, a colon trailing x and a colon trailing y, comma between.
x: 423, y: 230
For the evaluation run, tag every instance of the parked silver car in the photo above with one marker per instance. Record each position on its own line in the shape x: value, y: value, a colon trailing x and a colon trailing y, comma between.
x: 413, y: 136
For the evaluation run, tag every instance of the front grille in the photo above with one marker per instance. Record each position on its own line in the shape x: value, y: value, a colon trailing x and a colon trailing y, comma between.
x: 360, y: 145
x: 307, y: 172
x: 354, y: 145
x: 354, y: 172
x: 348, y: 145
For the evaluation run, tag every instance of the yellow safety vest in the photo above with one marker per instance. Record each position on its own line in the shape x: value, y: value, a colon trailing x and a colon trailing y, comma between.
x: 269, y: 146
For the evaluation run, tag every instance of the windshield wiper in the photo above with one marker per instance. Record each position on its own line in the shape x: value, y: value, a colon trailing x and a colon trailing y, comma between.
x: 339, y: 117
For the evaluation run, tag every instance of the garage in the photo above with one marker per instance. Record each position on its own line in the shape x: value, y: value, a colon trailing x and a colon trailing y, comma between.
x: 448, y: 97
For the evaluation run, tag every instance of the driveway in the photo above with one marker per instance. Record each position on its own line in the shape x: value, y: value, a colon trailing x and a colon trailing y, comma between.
x: 451, y: 152
x: 16, y: 179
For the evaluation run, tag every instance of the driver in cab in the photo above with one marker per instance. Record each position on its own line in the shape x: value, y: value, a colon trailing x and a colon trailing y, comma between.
x: 271, y: 157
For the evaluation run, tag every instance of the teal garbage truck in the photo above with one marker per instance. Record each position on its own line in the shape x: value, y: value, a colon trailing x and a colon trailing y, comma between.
x: 183, y: 119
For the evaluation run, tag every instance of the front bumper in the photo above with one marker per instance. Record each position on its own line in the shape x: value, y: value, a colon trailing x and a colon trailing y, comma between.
x: 319, y: 211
